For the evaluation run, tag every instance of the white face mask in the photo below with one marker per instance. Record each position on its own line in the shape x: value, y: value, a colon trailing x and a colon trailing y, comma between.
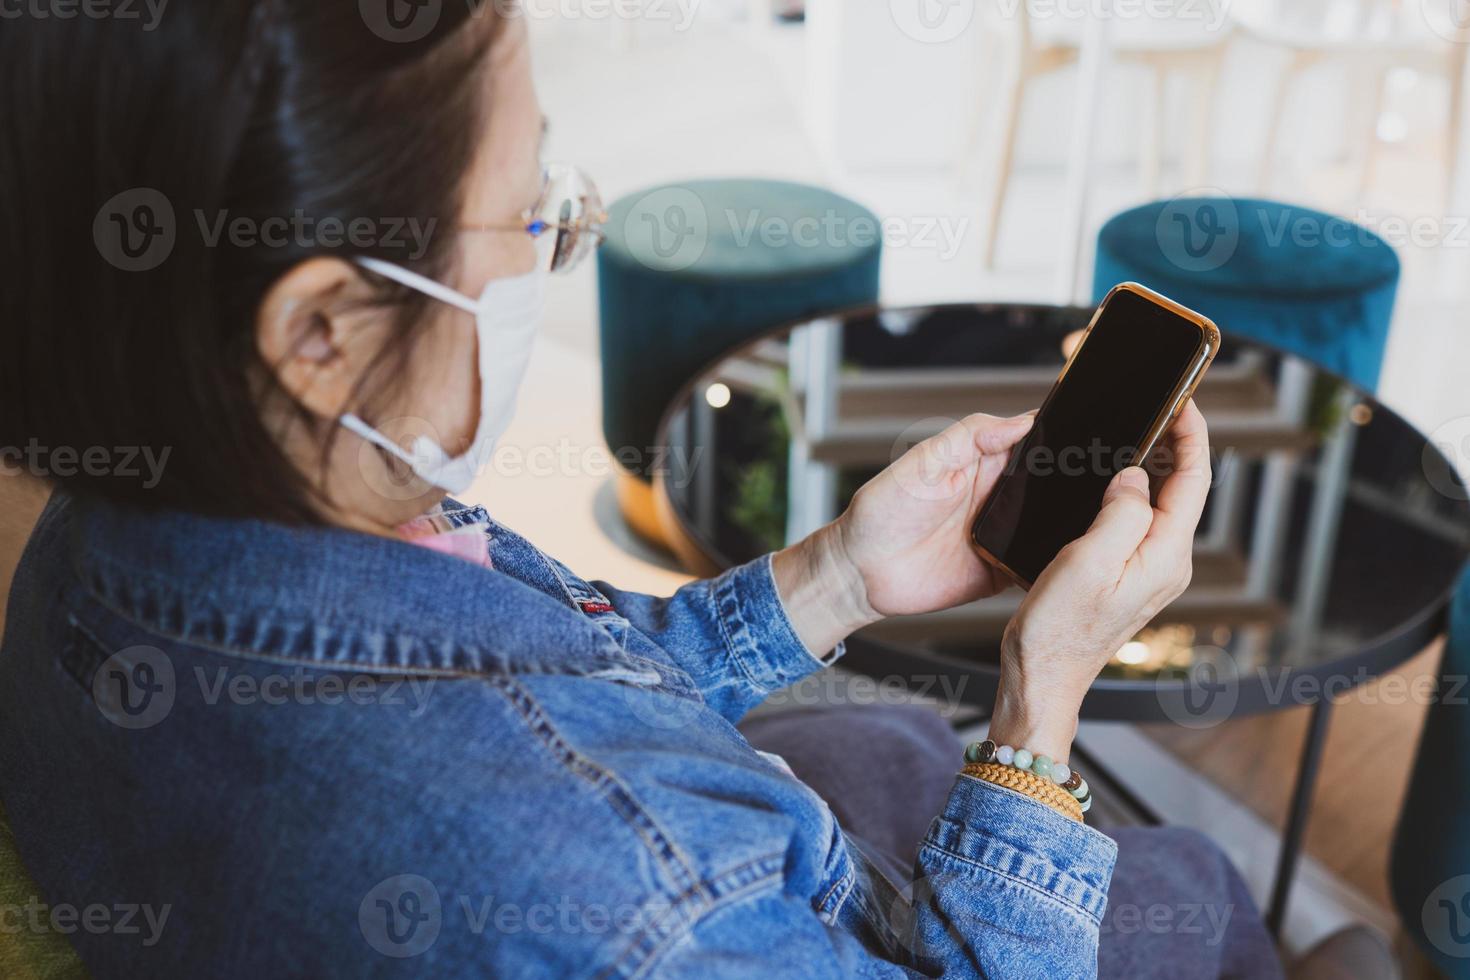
x: 507, y: 316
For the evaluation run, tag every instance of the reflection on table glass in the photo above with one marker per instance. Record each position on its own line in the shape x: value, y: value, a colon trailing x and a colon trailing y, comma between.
x: 1332, y: 527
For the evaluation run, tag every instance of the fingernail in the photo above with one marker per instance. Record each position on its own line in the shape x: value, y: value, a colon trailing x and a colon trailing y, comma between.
x: 1134, y: 477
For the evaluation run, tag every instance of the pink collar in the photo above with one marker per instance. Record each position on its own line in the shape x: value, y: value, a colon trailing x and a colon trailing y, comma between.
x: 433, y: 531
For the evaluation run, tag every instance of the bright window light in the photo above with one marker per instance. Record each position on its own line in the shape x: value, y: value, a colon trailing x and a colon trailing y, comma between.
x: 1133, y: 652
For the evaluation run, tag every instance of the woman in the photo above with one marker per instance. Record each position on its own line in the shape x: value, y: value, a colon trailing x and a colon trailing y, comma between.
x: 302, y: 713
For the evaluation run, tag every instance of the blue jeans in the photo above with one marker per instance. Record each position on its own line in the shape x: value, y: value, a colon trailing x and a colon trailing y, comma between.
x: 1177, y: 909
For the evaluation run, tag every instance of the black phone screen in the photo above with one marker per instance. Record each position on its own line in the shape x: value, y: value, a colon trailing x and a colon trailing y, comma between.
x: 1121, y: 378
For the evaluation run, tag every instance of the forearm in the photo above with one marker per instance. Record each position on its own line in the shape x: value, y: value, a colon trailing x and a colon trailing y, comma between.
x: 1034, y: 712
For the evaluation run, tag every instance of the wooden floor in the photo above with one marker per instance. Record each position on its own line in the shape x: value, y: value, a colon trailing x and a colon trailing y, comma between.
x: 1365, y: 771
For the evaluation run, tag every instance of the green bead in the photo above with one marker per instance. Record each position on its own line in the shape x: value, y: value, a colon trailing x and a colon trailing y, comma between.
x: 1022, y: 759
x: 1087, y: 804
x: 972, y: 752
x: 1080, y: 790
x: 1041, y: 765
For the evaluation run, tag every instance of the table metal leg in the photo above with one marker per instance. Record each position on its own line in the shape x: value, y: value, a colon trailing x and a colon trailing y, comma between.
x: 1296, y: 818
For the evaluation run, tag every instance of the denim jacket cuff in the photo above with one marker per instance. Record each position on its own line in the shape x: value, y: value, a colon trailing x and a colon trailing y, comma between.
x: 1009, y: 833
x: 758, y: 631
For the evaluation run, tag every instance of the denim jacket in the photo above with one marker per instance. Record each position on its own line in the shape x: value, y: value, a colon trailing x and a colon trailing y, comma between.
x: 234, y: 748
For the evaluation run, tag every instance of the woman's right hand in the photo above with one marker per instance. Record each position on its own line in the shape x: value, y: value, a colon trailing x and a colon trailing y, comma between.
x: 1100, y: 591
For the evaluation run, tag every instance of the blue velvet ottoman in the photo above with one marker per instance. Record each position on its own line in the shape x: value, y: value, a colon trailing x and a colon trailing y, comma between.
x: 1298, y: 279
x: 1429, y: 866
x: 691, y: 270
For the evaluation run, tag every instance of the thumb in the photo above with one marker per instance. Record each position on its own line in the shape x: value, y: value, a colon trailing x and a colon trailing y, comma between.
x: 1125, y: 518
x: 997, y: 435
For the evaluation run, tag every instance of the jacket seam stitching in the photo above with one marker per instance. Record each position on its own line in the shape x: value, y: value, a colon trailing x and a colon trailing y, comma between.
x: 242, y: 653
x: 717, y: 587
x: 1025, y: 882
x: 599, y: 778
x: 705, y: 902
x: 846, y: 883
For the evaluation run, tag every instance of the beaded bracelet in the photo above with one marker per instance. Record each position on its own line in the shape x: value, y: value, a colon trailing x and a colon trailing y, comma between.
x: 986, y: 752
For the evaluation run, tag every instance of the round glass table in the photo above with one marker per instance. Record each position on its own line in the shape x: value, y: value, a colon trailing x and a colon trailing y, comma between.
x: 1334, y: 534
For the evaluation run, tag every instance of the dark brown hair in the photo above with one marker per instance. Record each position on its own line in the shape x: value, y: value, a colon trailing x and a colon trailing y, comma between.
x: 126, y: 149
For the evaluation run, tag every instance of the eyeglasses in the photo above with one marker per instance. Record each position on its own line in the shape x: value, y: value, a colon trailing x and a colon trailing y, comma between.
x: 569, y: 206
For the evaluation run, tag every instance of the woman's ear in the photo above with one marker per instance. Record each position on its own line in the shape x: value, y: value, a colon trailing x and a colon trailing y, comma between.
x: 317, y: 332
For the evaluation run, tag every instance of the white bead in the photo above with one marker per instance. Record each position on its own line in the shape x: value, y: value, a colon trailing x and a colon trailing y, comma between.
x: 1060, y: 773
x: 1004, y: 755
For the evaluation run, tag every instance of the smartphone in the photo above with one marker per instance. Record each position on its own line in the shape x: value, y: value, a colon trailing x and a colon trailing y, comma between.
x: 1133, y: 371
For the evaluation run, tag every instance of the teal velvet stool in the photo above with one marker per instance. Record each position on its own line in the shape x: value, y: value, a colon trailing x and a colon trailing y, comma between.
x: 1429, y: 870
x: 1292, y: 277
x: 691, y: 270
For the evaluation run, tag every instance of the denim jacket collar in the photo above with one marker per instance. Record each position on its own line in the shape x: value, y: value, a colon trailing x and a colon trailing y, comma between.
x: 265, y: 599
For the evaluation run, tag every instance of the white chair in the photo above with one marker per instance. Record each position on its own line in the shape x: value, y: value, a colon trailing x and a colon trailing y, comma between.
x: 1191, y: 45
x: 1369, y: 38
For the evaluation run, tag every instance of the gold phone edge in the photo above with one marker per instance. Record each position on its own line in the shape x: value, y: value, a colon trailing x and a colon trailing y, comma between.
x: 988, y: 556
x: 1209, y: 347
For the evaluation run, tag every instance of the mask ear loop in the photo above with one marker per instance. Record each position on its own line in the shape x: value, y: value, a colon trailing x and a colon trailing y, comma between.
x: 354, y: 424
x: 435, y: 290
x: 425, y: 285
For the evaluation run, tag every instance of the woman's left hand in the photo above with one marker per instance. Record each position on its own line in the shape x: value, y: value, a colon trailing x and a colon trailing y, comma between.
x: 903, y: 546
